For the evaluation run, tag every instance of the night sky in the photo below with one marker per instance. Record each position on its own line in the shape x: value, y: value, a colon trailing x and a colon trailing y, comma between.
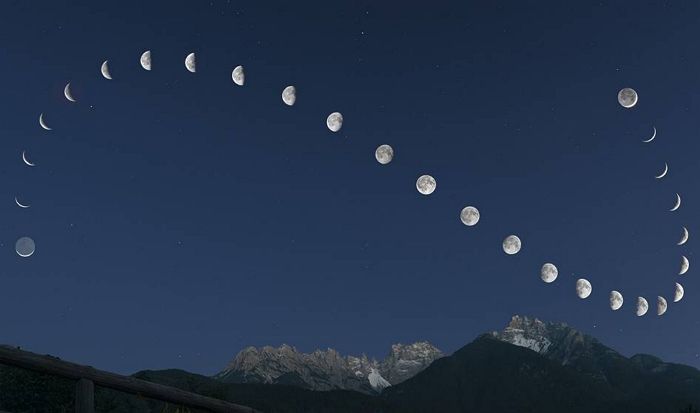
x: 179, y: 218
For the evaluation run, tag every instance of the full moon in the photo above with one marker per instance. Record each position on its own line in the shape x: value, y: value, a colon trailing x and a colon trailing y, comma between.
x: 512, y: 244
x: 469, y: 216
x: 661, y: 305
x: 583, y: 288
x: 384, y: 154
x: 289, y: 95
x: 25, y: 247
x: 616, y: 300
x: 549, y: 272
x: 627, y: 97
x: 426, y: 184
x: 191, y: 63
x: 334, y: 121
x: 642, y: 306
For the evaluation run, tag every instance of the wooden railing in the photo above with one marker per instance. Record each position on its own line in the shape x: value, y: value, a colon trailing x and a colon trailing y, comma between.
x: 88, y: 377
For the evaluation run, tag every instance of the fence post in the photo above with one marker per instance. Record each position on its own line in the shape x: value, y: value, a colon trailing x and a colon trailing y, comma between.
x: 84, y: 396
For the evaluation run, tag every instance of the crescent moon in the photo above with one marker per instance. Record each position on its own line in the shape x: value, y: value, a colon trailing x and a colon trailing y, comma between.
x: 67, y: 93
x: 146, y: 60
x: 685, y: 265
x: 678, y: 203
x: 663, y: 173
x: 652, y: 137
x: 105, y: 70
x: 642, y: 306
x: 684, y: 237
x: 24, y: 158
x: 616, y: 300
x: 191, y: 63
x: 238, y: 75
x: 678, y: 294
x: 42, y: 123
x: 21, y: 205
x: 661, y: 305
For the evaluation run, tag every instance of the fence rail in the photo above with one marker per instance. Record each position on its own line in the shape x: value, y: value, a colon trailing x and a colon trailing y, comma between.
x: 88, y: 377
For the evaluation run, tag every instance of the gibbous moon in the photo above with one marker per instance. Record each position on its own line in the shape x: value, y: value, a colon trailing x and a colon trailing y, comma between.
x: 426, y: 184
x: 678, y: 294
x: 289, y: 95
x: 105, y: 70
x: 549, y: 272
x: 684, y: 265
x: 583, y: 288
x: 67, y: 93
x: 21, y: 205
x: 334, y: 121
x: 662, y: 174
x: 512, y: 244
x: 678, y: 203
x: 684, y: 236
x: 26, y: 161
x: 652, y: 137
x: 42, y: 123
x: 616, y: 300
x: 661, y: 305
x: 25, y: 247
x: 238, y: 76
x: 191, y: 63
x: 642, y: 306
x: 627, y: 97
x: 384, y: 154
x: 146, y: 60
x: 469, y: 216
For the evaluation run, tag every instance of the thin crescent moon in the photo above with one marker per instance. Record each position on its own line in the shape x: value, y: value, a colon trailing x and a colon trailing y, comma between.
x: 652, y: 137
x: 67, y: 93
x: 24, y: 158
x: 663, y: 173
x: 105, y: 70
x: 21, y: 205
x: 42, y: 123
x: 684, y: 237
x: 678, y: 203
x: 685, y: 264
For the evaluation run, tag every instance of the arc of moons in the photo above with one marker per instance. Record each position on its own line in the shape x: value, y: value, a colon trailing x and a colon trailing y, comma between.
x: 191, y: 63
x: 662, y: 174
x: 238, y: 75
x: 652, y: 136
x: 678, y: 294
x: 685, y: 265
x: 146, y: 60
x: 26, y: 161
x: 642, y: 306
x: 678, y: 203
x: 104, y: 69
x: 21, y: 205
x: 289, y: 95
x: 661, y: 305
x: 684, y: 237
x: 616, y: 300
x: 68, y: 94
x: 583, y: 288
x: 42, y: 123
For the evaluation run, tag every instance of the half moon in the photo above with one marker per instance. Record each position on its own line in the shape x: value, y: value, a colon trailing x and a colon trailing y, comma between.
x: 616, y: 300
x: 146, y: 60
x: 684, y: 237
x: 661, y: 305
x: 42, y: 123
x: 685, y: 265
x: 642, y: 306
x: 21, y: 205
x: 678, y: 294
x: 289, y: 95
x: 238, y: 76
x: 652, y: 137
x: 663, y: 173
x: 26, y: 161
x: 583, y: 288
x: 67, y: 93
x: 678, y: 203
x: 105, y: 70
x: 191, y: 63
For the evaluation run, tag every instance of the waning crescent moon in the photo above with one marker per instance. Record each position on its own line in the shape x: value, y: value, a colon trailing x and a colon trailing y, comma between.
x: 21, y: 205
x: 684, y: 237
x: 42, y: 123
x: 105, y: 70
x: 678, y: 295
x: 678, y: 203
x: 685, y: 264
x: 663, y: 173
x: 67, y: 93
x: 652, y: 137
x: 24, y: 158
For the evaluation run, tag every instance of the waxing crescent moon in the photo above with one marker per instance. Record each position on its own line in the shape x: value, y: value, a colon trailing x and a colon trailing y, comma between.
x: 583, y: 288
x: 238, y: 75
x: 105, y: 70
x: 661, y: 305
x: 191, y: 63
x: 663, y: 173
x: 289, y: 95
x: 678, y: 203
x: 42, y: 123
x: 678, y: 294
x: 67, y: 93
x: 652, y: 137
x: 685, y: 265
x: 21, y: 205
x: 24, y: 158
x: 146, y: 60
x: 684, y: 237
x: 616, y: 300
x: 642, y: 306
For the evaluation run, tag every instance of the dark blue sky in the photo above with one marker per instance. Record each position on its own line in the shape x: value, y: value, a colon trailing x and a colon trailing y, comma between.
x: 179, y: 218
